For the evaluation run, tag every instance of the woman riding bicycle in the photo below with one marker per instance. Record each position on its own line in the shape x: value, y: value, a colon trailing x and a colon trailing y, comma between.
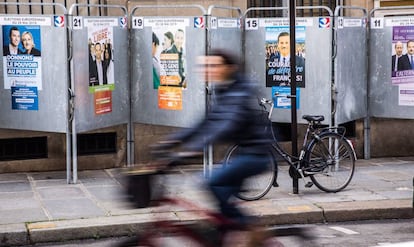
x: 232, y: 119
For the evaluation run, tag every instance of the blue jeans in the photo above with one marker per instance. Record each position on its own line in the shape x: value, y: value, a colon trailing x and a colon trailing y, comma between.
x: 226, y: 182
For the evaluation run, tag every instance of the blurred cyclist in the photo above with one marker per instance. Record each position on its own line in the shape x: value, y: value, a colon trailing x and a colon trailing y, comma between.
x: 233, y: 118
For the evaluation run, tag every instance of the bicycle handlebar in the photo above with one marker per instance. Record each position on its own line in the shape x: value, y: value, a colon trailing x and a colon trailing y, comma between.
x: 266, y: 101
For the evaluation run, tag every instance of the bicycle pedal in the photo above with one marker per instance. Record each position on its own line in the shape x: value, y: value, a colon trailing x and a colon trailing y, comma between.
x: 308, y: 184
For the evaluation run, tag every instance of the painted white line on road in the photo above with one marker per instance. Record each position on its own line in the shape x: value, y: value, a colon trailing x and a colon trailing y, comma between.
x: 402, y: 244
x: 344, y: 230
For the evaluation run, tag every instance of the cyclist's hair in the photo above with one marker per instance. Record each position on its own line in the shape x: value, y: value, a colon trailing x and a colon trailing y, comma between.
x: 228, y: 57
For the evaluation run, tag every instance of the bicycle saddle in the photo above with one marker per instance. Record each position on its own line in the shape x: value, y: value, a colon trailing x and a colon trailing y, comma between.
x: 315, y: 118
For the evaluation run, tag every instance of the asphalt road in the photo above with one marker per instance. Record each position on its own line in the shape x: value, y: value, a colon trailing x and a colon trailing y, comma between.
x: 356, y: 234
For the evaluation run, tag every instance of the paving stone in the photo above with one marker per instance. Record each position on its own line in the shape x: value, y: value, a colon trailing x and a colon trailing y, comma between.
x: 50, y: 183
x: 19, y: 203
x: 16, y: 195
x: 14, y: 186
x: 69, y: 191
x: 48, y: 175
x: 13, y: 177
x: 20, y: 215
x: 393, y: 175
x: 108, y: 193
x: 98, y: 181
x: 73, y: 208
x: 396, y: 194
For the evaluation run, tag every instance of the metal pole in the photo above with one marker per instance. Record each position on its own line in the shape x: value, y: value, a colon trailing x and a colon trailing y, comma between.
x: 292, y: 30
x: 68, y: 152
x: 208, y: 150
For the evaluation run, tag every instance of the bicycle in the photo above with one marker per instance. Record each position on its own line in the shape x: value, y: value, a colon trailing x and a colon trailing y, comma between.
x: 327, y: 157
x: 211, y: 230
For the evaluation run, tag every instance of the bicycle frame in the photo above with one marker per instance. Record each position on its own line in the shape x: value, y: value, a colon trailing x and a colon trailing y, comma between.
x: 211, y: 231
x: 312, y: 132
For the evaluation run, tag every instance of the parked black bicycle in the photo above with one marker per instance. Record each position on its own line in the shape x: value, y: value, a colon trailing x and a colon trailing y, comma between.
x: 327, y: 157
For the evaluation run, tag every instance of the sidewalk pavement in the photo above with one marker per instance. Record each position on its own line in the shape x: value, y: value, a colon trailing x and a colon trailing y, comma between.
x: 40, y: 207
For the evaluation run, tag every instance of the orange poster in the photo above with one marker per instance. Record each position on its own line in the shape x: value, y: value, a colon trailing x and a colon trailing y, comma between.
x: 170, y: 74
x: 103, y: 102
x: 170, y: 98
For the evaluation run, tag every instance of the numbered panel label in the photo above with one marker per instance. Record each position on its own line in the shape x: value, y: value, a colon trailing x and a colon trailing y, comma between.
x: 137, y: 22
x: 252, y: 23
x: 377, y: 23
x: 77, y: 22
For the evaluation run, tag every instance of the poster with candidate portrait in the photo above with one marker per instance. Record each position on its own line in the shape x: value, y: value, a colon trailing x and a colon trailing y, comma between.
x: 22, y: 65
x: 168, y: 51
x: 169, y: 60
x: 277, y: 46
x: 101, y: 62
x: 101, y: 55
x: 22, y: 61
x: 402, y: 60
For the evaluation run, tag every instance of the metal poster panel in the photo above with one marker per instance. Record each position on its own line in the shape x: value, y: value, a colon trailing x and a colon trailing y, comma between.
x: 166, y: 88
x: 267, y: 56
x: 391, y: 79
x: 100, y: 63
x: 31, y: 90
x: 350, y: 100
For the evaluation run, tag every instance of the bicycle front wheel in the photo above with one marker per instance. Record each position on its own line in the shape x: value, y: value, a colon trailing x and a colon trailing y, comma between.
x: 257, y: 186
x: 330, y: 162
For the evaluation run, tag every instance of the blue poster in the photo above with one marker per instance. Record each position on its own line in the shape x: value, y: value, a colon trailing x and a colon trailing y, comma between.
x: 280, y: 97
x: 25, y: 98
x: 22, y: 57
x: 278, y: 55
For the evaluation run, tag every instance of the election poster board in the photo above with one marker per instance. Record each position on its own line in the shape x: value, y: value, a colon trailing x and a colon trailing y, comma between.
x: 35, y: 78
x: 264, y: 63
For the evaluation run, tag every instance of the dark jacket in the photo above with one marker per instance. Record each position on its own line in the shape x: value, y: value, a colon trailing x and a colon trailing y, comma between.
x: 6, y: 50
x: 235, y: 117
x: 404, y: 62
x: 35, y: 52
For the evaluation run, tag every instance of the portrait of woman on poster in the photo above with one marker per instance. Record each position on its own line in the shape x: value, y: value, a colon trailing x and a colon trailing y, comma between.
x: 29, y: 45
x: 168, y: 44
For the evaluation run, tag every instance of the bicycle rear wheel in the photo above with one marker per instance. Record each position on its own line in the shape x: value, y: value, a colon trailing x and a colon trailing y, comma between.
x: 330, y: 162
x: 256, y: 186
